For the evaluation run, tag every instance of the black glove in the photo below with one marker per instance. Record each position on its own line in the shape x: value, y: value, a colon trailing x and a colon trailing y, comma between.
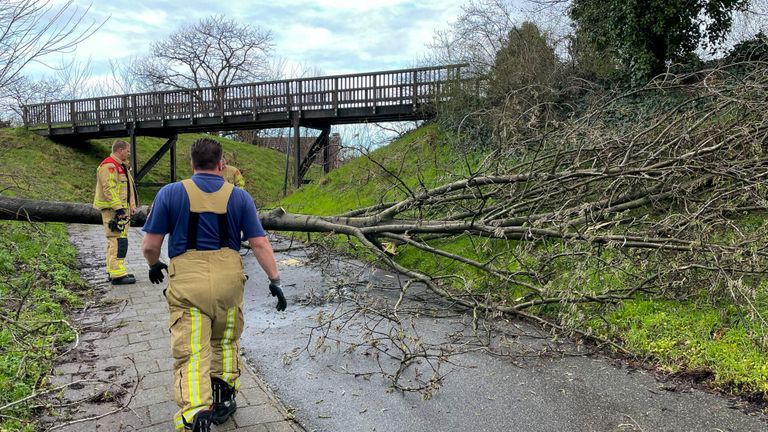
x: 113, y: 225
x: 156, y: 272
x: 276, y: 291
x: 120, y: 213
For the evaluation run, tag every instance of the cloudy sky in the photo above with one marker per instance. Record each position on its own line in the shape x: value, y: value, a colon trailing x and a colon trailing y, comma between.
x: 334, y: 36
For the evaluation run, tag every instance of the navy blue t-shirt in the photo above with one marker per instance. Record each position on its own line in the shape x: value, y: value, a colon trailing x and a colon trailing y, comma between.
x: 170, y: 215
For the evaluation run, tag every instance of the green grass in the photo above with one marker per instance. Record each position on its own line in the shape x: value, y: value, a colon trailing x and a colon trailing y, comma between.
x: 420, y: 157
x: 694, y: 336
x: 727, y: 340
x: 35, y: 167
x: 262, y: 168
x: 39, y: 283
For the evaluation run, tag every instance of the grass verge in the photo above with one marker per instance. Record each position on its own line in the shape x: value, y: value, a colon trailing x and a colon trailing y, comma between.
x: 39, y: 284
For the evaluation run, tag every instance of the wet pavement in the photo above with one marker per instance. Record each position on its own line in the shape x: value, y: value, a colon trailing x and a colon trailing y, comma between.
x: 496, y: 374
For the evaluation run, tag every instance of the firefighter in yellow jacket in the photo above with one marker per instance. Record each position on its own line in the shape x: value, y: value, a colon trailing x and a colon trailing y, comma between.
x: 116, y: 198
x: 232, y: 175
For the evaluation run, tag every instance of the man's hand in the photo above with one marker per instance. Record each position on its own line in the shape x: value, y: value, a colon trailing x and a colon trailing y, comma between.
x: 277, y: 291
x: 156, y: 272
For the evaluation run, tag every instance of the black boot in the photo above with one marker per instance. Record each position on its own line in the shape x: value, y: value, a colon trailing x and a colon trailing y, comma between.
x: 124, y: 280
x: 224, y: 404
x: 109, y: 278
x: 201, y: 422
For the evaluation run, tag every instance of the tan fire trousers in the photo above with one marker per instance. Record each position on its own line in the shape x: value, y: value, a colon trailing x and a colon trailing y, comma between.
x: 205, y: 298
x: 117, y: 246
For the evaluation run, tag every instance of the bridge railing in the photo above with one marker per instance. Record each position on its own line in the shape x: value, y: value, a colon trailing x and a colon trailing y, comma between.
x: 377, y: 89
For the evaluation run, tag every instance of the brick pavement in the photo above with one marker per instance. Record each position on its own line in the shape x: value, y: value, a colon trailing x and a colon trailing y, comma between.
x: 124, y: 336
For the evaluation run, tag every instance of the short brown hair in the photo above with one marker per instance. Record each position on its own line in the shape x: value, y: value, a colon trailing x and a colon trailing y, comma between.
x: 205, y: 154
x: 119, y: 145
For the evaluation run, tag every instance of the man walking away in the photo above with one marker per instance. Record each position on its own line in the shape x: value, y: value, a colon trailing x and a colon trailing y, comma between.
x: 116, y: 198
x: 205, y: 217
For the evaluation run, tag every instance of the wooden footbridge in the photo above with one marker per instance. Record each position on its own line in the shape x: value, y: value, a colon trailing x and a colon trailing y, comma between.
x: 318, y: 103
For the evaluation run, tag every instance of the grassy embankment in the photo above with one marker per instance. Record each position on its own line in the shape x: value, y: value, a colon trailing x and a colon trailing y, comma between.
x: 39, y: 281
x: 699, y: 334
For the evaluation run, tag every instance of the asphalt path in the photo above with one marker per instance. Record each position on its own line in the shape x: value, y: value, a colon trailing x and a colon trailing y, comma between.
x: 497, y: 374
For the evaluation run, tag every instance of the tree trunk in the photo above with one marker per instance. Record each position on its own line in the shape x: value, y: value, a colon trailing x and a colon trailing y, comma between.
x: 70, y: 212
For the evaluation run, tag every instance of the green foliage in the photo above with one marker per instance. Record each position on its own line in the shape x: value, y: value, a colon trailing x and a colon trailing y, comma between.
x: 590, y: 63
x: 646, y: 34
x: 527, y: 66
x: 753, y: 49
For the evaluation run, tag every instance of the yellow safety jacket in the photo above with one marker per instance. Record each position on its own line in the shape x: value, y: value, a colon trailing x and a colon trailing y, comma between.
x: 115, y: 188
x: 232, y: 175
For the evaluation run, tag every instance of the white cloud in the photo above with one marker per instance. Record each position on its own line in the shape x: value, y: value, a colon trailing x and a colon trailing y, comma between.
x: 153, y: 17
x: 300, y: 37
x: 350, y: 6
x: 336, y: 36
x: 107, y: 45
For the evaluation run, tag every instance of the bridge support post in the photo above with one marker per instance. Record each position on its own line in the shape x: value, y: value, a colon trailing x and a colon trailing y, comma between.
x: 321, y: 144
x: 170, y: 144
x: 297, y: 176
x: 173, y: 161
x: 134, y: 161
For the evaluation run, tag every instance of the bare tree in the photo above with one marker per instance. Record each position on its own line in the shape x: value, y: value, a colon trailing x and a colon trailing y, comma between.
x: 74, y: 80
x: 31, y: 30
x: 122, y: 80
x: 24, y: 91
x: 216, y: 51
x: 477, y: 34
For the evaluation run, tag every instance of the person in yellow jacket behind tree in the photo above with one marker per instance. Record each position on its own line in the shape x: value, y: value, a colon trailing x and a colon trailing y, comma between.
x: 232, y: 175
x: 116, y: 198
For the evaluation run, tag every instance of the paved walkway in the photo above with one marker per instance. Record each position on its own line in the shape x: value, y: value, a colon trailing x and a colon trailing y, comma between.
x: 119, y: 376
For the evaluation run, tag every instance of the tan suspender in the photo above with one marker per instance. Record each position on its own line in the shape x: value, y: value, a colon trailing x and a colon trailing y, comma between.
x: 207, y: 202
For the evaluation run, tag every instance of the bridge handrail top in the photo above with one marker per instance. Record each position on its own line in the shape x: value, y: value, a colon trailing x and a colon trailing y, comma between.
x: 419, y: 69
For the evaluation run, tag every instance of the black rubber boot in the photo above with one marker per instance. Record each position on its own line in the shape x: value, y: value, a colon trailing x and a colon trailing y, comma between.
x: 109, y: 278
x: 201, y: 422
x: 224, y: 404
x: 124, y: 280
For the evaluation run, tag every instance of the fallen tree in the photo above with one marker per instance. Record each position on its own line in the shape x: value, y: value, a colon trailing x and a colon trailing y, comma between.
x: 659, y: 192
x: 650, y: 197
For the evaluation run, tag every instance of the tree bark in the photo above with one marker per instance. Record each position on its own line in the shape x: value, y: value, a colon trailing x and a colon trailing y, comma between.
x: 71, y: 212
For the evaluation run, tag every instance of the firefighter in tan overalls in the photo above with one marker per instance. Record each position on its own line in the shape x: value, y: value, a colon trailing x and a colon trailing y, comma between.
x: 205, y: 217
x: 116, y: 198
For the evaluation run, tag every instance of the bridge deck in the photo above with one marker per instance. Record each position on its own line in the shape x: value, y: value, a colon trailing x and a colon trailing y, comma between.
x: 369, y: 97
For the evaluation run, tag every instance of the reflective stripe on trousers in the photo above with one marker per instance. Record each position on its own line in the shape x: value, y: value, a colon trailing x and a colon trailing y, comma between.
x: 117, y: 246
x: 205, y: 296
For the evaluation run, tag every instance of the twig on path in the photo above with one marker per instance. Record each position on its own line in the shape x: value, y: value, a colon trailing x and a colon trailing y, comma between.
x: 114, y: 411
x: 34, y: 395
